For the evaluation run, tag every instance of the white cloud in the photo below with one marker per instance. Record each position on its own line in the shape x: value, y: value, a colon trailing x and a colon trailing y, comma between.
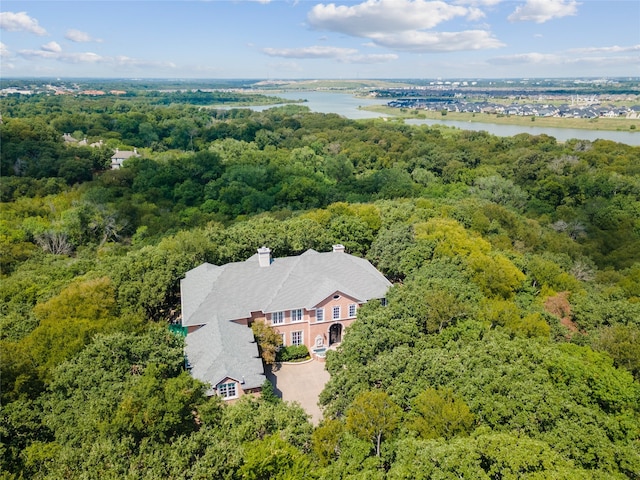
x: 526, y: 58
x: 309, y: 52
x: 4, y: 51
x: 475, y: 14
x: 52, y: 51
x: 51, y: 47
x: 20, y: 22
x: 571, y: 58
x: 383, y: 16
x: 476, y: 3
x: 612, y: 49
x: 406, y: 25
x: 343, y: 55
x: 541, y: 11
x: 82, y: 57
x: 415, y: 41
x: 370, y: 58
x: 80, y: 37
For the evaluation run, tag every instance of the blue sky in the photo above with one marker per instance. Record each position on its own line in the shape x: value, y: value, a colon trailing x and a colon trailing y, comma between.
x: 281, y: 39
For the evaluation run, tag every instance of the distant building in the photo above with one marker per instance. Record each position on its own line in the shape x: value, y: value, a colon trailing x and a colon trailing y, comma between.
x: 68, y: 138
x: 118, y: 158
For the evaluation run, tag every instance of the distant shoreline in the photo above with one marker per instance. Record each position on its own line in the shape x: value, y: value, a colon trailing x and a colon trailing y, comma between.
x: 610, y: 124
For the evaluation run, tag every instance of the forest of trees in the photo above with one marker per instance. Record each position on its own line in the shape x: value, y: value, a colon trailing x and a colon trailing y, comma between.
x: 509, y: 348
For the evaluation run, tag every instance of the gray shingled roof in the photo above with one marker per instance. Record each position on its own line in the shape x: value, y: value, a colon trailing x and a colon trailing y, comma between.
x: 234, y: 290
x: 124, y: 154
x: 224, y: 349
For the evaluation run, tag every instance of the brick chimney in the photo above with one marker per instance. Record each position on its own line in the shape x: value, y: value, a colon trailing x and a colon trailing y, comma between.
x: 264, y: 256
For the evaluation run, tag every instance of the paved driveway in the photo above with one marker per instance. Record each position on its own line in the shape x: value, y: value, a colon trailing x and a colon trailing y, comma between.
x: 300, y: 383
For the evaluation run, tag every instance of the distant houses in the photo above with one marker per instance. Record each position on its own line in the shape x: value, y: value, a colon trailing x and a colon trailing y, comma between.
x: 118, y: 157
x: 518, y: 109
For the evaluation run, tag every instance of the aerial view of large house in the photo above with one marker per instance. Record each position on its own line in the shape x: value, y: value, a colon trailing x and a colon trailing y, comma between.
x: 309, y: 299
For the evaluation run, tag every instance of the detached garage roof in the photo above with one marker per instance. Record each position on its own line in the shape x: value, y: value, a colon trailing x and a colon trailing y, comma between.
x: 222, y: 350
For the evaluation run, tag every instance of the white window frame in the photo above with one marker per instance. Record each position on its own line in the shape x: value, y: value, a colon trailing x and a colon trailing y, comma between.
x: 353, y: 308
x: 284, y: 339
x: 277, y: 318
x: 297, y: 315
x: 319, y: 314
x: 300, y: 337
x: 228, y: 390
x: 336, y: 310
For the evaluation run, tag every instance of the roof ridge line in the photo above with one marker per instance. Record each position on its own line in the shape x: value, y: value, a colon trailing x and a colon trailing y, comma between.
x: 283, y: 278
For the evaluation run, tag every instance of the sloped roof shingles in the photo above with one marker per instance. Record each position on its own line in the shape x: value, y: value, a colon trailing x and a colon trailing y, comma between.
x: 234, y: 290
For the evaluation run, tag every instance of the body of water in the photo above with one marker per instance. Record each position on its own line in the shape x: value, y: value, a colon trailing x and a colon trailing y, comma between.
x: 560, y: 134
x: 348, y: 106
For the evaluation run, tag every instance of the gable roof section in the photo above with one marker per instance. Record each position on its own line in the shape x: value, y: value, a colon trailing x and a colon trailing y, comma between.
x: 224, y: 349
x: 196, y: 286
x: 234, y: 290
x: 124, y: 154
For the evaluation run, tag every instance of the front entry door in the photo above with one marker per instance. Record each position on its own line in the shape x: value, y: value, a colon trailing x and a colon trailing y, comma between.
x: 335, y: 333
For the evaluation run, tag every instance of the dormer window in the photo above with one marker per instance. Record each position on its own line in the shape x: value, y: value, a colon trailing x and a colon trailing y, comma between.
x: 227, y: 390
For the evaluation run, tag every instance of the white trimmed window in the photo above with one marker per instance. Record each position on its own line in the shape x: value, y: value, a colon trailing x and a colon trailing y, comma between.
x: 227, y: 390
x: 352, y: 310
x: 296, y: 315
x: 296, y: 338
x: 319, y: 315
x: 336, y: 313
x: 383, y: 302
x: 284, y: 339
x: 277, y: 318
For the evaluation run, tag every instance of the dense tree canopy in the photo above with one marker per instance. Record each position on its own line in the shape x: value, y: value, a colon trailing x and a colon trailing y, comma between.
x: 509, y: 348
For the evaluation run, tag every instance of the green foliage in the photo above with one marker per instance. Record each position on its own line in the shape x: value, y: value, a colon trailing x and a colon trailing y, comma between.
x: 438, y: 413
x: 326, y: 440
x: 485, y: 456
x: 390, y: 245
x: 157, y: 407
x: 292, y: 353
x: 272, y: 457
x: 67, y: 323
x: 622, y: 342
x: 373, y: 416
x: 268, y: 341
x: 267, y: 393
